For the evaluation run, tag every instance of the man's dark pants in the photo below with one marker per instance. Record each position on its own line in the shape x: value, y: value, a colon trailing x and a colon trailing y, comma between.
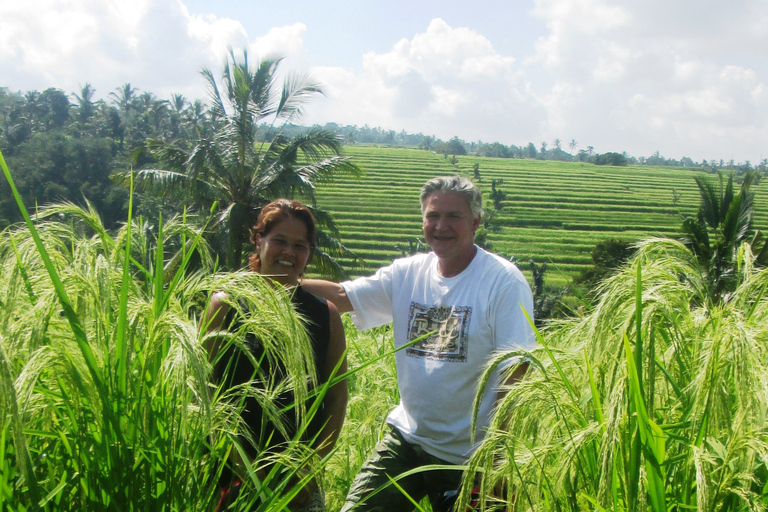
x: 392, y: 457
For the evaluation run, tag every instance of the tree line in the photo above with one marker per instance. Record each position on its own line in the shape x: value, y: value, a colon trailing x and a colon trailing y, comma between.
x: 65, y: 146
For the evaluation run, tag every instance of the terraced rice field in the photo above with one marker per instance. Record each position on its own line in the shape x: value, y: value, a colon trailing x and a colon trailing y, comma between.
x: 555, y: 212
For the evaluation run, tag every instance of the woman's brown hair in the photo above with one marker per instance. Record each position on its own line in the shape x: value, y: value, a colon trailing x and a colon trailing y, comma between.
x: 274, y: 213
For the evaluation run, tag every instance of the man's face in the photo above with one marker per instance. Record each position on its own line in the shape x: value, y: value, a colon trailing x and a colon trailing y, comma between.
x: 449, y: 227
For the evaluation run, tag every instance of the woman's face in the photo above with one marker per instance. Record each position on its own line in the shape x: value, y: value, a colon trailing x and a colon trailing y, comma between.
x: 284, y: 251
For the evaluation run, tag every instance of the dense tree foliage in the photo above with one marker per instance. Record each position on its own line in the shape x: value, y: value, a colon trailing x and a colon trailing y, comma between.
x: 607, y: 257
x: 611, y: 159
x: 66, y: 147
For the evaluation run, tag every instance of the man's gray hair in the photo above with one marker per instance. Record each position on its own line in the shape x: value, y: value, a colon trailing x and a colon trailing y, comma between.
x: 455, y: 184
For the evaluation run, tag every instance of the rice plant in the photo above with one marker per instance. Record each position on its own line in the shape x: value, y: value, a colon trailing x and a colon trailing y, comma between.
x: 656, y: 400
x: 107, y: 402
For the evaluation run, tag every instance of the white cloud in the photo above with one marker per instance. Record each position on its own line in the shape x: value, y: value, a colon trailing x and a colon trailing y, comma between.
x: 688, y: 77
x: 445, y: 81
x: 684, y: 78
x: 156, y: 45
x: 287, y: 41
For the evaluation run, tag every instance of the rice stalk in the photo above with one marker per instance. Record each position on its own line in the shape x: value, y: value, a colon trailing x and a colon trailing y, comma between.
x: 666, y: 372
x: 107, y: 402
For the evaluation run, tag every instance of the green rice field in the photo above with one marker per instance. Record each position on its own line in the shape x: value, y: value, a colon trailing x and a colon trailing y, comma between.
x: 554, y: 212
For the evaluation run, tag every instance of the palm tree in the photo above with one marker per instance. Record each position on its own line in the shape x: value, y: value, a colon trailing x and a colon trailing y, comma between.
x: 123, y: 97
x: 572, y: 144
x: 239, y: 171
x: 195, y: 115
x: 85, y: 108
x: 178, y: 102
x: 721, y: 226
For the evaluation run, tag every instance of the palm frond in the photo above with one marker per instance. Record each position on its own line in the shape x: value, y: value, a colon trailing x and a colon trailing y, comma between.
x: 218, y: 110
x: 262, y: 85
x: 296, y: 89
x: 327, y: 266
x: 172, y: 156
x: 158, y: 181
x: 710, y: 201
x: 329, y: 248
x: 324, y: 221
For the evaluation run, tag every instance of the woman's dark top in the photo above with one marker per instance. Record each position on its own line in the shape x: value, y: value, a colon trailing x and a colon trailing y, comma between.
x: 239, y: 370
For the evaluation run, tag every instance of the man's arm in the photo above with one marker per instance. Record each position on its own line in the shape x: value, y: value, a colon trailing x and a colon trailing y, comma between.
x: 516, y: 376
x: 330, y: 291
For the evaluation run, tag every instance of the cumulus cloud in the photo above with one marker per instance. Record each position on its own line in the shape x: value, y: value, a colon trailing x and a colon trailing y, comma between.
x: 685, y: 78
x: 156, y: 45
x: 445, y: 81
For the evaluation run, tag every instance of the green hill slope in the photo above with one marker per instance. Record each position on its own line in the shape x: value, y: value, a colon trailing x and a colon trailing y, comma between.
x: 554, y: 212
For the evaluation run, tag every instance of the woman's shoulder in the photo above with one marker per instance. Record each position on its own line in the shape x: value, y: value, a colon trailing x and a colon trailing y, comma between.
x: 304, y: 299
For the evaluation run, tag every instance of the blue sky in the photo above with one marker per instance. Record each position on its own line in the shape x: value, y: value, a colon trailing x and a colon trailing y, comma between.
x: 685, y: 78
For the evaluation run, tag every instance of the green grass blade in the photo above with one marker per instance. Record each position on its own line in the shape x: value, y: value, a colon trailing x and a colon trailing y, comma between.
x: 555, y: 363
x: 595, y: 394
x: 121, y: 337
x: 635, y: 441
x: 639, y: 329
x: 61, y: 294
x: 11, y: 409
x: 652, y: 438
x: 158, y: 278
x: 23, y: 271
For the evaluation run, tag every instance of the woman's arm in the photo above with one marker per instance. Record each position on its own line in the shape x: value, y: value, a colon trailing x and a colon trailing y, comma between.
x: 212, y: 320
x: 336, y: 397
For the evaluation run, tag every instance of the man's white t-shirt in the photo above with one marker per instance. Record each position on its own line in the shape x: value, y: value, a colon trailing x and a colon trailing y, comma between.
x: 476, y: 313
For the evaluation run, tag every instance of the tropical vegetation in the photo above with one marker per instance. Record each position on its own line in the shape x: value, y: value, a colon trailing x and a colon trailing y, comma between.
x: 648, y: 401
x: 233, y: 172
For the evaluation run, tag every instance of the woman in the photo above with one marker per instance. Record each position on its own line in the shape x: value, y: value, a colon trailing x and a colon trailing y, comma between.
x: 284, y: 237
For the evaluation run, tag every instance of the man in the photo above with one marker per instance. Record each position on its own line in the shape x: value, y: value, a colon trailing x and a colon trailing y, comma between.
x: 469, y: 304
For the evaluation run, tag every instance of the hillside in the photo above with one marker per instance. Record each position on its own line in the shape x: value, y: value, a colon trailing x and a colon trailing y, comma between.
x: 554, y: 212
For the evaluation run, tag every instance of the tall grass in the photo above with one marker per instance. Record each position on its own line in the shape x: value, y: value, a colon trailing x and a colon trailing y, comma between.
x: 106, y: 399
x: 656, y: 400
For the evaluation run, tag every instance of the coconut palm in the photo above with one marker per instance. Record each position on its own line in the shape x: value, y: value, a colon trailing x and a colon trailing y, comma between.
x: 85, y: 109
x: 239, y: 169
x: 123, y: 97
x: 722, y: 224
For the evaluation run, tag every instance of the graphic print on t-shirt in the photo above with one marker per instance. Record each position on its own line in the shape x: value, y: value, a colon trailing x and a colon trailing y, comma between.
x: 449, y: 342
